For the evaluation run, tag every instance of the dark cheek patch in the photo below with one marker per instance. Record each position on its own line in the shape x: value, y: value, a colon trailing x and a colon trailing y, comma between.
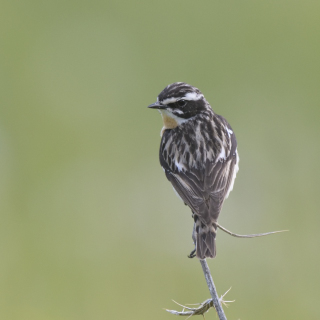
x: 192, y: 108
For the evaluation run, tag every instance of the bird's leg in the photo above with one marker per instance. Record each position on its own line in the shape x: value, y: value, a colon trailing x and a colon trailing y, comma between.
x: 193, y: 252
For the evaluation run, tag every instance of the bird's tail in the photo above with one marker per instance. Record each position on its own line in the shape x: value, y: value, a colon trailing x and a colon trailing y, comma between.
x: 205, y: 241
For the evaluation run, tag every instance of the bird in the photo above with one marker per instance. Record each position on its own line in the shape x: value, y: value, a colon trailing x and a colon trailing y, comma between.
x: 198, y: 153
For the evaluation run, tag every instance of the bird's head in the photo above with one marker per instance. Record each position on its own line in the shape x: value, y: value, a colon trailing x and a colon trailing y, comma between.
x: 179, y: 102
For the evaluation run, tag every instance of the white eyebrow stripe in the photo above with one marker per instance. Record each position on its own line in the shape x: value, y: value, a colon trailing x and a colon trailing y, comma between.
x: 169, y: 100
x: 190, y: 96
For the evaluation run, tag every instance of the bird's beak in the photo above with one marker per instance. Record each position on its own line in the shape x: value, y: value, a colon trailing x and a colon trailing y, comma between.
x: 157, y: 105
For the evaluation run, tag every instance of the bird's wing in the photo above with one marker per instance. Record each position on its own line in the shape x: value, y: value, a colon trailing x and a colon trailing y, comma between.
x: 203, y: 192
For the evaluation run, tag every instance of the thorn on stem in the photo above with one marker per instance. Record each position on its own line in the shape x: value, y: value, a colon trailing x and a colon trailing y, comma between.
x: 225, y: 302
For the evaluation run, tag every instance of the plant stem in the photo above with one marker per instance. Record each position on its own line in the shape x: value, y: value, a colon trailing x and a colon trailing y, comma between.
x: 213, y: 291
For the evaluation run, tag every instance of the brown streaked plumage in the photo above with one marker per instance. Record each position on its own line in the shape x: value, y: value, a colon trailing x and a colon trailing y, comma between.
x: 198, y: 153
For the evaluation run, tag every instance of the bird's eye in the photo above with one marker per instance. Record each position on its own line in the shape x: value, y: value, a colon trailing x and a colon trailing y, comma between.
x: 181, y: 103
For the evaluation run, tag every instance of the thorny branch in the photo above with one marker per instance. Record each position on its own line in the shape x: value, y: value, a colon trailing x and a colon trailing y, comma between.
x: 200, y: 310
x: 204, y: 307
x: 215, y: 302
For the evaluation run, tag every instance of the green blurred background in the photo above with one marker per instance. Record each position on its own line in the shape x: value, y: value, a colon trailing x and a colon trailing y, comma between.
x: 90, y: 228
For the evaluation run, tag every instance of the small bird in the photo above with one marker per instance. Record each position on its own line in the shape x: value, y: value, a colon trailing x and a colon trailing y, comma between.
x: 198, y: 153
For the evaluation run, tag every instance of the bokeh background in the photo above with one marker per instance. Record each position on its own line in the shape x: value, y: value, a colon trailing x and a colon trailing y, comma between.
x: 90, y: 228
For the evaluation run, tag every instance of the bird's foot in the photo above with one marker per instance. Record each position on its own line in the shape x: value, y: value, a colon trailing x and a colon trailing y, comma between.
x: 192, y: 254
